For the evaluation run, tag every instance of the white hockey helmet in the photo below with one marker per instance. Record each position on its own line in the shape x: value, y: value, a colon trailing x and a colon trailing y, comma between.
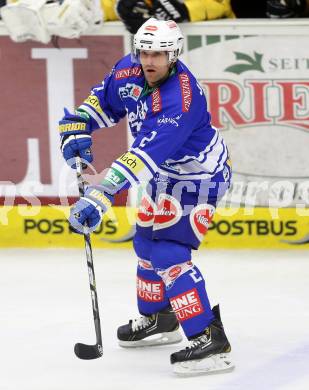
x: 158, y: 35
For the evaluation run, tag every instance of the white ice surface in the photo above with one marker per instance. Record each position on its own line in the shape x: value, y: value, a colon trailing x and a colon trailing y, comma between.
x: 46, y: 308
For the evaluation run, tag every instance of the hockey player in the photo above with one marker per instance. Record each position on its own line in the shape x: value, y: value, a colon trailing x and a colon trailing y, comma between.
x: 186, y: 164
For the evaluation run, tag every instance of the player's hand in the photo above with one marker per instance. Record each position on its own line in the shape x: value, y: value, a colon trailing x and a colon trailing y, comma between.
x: 77, y: 145
x: 75, y: 138
x: 86, y: 215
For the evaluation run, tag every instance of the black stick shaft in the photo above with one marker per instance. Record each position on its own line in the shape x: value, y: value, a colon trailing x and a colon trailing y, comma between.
x: 88, y: 249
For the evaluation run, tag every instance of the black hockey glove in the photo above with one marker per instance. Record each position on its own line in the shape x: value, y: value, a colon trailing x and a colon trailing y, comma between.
x: 133, y: 13
x: 285, y: 8
x: 170, y: 9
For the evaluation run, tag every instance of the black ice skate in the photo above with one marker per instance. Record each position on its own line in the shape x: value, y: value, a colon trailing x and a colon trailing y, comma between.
x: 156, y: 329
x: 207, y: 352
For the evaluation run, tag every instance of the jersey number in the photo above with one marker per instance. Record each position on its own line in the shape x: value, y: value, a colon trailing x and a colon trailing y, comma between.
x: 195, y: 277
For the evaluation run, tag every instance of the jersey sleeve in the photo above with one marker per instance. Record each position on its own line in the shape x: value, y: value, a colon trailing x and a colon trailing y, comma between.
x: 142, y: 160
x: 103, y: 105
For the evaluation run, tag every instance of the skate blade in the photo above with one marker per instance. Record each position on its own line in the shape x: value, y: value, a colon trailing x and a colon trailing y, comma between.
x: 158, y: 339
x: 212, y: 365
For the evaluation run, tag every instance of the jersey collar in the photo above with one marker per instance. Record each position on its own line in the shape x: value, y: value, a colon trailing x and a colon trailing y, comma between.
x: 147, y: 90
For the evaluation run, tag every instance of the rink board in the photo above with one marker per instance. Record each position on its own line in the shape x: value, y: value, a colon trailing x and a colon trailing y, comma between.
x: 257, y: 95
x: 257, y: 228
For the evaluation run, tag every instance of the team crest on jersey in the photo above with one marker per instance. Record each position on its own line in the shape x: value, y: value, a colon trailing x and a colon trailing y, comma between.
x: 186, y: 91
x: 145, y: 214
x: 128, y: 72
x: 200, y: 219
x: 168, y: 212
x: 132, y: 91
x: 156, y: 100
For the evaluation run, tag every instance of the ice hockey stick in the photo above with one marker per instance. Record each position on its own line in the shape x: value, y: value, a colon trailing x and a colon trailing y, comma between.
x: 85, y: 351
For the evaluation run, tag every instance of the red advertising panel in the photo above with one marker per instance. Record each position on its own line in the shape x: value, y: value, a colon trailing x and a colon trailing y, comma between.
x: 37, y: 81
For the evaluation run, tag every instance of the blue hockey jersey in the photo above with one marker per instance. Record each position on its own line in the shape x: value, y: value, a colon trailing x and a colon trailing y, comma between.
x: 170, y: 124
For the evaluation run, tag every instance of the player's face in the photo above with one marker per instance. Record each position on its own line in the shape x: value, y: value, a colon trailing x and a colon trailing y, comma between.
x: 155, y: 66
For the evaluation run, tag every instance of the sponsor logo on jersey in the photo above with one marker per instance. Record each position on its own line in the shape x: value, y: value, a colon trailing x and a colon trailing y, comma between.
x: 79, y: 126
x: 136, y: 119
x: 168, y: 212
x: 156, y: 100
x: 114, y: 177
x: 149, y: 290
x: 186, y: 91
x: 187, y: 305
x: 83, y: 114
x: 200, y: 219
x: 174, y: 272
x: 132, y: 162
x: 145, y: 214
x: 168, y: 120
x: 132, y: 91
x: 128, y: 72
x: 93, y: 101
x: 170, y: 274
x: 145, y: 264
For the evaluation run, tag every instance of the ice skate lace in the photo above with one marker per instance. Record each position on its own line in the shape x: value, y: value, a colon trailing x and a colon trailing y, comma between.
x: 140, y: 323
x: 197, y: 342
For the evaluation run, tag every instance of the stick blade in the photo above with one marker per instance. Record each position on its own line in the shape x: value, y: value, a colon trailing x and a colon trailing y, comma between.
x: 88, y: 352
